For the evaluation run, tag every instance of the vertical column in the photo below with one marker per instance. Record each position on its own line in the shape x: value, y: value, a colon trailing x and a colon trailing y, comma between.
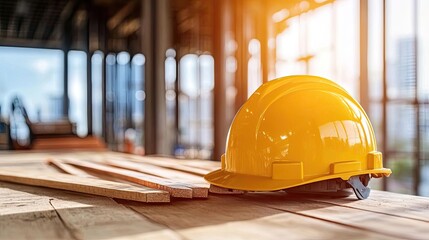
x: 102, y: 40
x: 148, y: 27
x: 156, y: 39
x: 66, y: 47
x: 262, y: 34
x: 220, y: 13
x: 384, y: 99
x: 242, y: 52
x: 164, y: 41
x: 89, y: 51
x: 418, y: 157
x: 363, y: 40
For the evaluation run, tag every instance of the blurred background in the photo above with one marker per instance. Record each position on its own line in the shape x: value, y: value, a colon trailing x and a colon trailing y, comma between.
x: 167, y: 76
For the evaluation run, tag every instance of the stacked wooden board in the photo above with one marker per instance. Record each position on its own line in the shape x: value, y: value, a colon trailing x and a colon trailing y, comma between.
x: 122, y: 176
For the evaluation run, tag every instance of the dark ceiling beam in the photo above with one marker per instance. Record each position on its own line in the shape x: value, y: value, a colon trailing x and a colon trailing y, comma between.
x: 20, y: 10
x: 68, y: 11
x: 44, y: 21
x: 11, y: 25
x: 6, y: 11
x: 53, y: 21
x: 34, y: 18
x: 125, y: 11
x: 18, y: 25
x: 29, y: 14
x: 23, y: 31
x: 31, y: 43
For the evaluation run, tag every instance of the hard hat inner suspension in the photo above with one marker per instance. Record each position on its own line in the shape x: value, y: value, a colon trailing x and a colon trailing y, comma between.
x: 335, y: 187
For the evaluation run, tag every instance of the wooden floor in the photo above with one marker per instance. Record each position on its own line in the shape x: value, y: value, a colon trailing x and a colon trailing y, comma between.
x: 28, y: 212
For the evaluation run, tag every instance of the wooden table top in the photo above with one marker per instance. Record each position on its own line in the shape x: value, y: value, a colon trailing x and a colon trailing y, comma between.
x: 28, y: 212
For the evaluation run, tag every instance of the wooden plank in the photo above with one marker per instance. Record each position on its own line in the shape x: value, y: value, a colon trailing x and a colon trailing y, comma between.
x: 68, y: 168
x: 83, y: 185
x: 21, y: 158
x: 158, y: 162
x: 406, y: 206
x: 177, y: 164
x: 28, y: 216
x: 34, y: 167
x: 234, y: 218
x: 101, y: 218
x: 42, y: 213
x: 39, y: 156
x: 154, y: 170
x: 366, y: 220
x: 175, y: 189
x: 279, y: 226
x: 199, y: 186
x: 208, y: 165
x: 194, y: 167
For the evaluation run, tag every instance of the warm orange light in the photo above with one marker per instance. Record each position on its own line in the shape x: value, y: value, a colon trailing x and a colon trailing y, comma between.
x: 280, y: 15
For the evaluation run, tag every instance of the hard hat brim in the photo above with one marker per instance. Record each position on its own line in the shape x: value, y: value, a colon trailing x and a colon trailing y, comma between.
x: 246, y: 182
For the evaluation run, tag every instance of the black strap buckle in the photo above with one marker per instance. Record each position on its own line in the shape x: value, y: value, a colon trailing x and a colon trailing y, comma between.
x: 359, y: 185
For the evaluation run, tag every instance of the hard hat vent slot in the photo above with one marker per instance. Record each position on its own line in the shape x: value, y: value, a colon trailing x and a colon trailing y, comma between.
x: 342, y: 167
x: 288, y: 171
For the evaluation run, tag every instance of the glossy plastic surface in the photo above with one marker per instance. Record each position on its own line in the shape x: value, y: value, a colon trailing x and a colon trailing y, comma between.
x: 297, y: 130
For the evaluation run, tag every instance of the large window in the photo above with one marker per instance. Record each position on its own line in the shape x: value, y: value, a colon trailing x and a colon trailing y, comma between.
x: 137, y: 98
x: 423, y: 92
x: 401, y: 86
x: 170, y: 66
x: 321, y: 41
x: 196, y: 82
x: 254, y: 67
x: 77, y: 89
x: 125, y: 96
x: 324, y: 40
x: 97, y: 93
x: 36, y: 76
x: 398, y: 103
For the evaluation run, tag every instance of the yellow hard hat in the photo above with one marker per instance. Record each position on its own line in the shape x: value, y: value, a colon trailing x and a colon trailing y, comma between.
x: 299, y: 130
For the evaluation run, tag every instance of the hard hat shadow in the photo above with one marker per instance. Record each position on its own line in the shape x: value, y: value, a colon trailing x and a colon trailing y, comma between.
x: 221, y: 209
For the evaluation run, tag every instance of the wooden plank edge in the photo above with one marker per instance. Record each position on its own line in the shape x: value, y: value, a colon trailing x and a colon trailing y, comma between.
x: 165, y: 164
x: 198, y: 190
x: 175, y: 190
x: 66, y: 168
x: 80, y: 184
x: 150, y: 198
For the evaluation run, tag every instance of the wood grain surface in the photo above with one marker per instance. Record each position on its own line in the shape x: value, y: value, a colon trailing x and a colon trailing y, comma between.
x: 42, y: 213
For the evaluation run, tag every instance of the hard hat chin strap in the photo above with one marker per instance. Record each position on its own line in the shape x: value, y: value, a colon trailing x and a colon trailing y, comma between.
x: 358, y: 186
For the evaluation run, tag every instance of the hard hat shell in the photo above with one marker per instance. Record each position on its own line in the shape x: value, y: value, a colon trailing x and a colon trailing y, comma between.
x: 294, y: 131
